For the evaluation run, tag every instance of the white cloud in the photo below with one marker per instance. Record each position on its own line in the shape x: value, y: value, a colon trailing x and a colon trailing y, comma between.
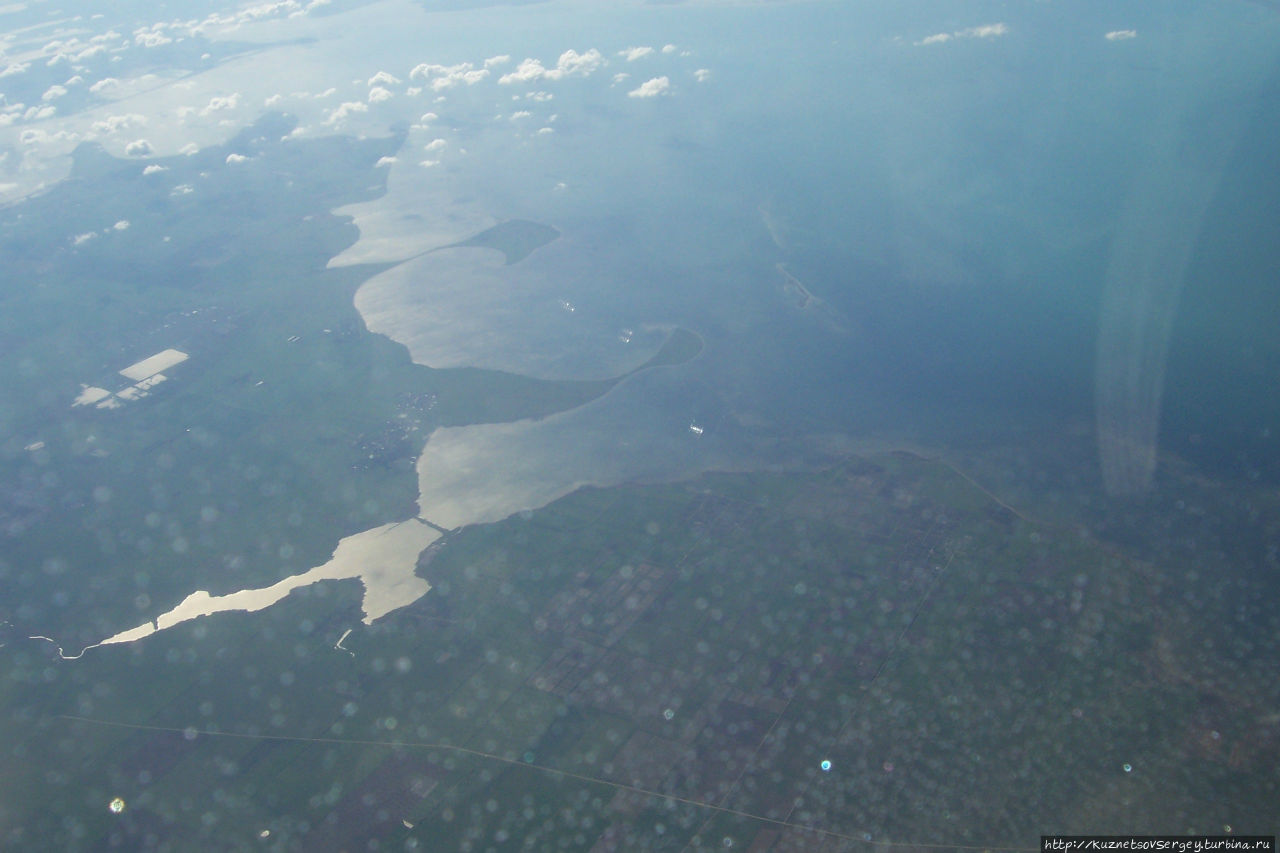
x: 651, y: 88
x: 668, y: 48
x: 182, y: 189
x: 327, y: 93
x: 435, y: 145
x: 14, y: 68
x: 90, y: 52
x: 634, y: 53
x: 155, y: 168
x: 38, y: 113
x: 702, y: 75
x: 121, y: 225
x: 538, y: 97
x: 106, y: 84
x: 35, y: 136
x: 83, y: 238
x: 233, y: 159
x: 544, y: 131
x: 150, y: 38
x: 427, y: 164
x: 1121, y: 35
x: 428, y: 117
x: 189, y: 149
x: 378, y: 94
x: 985, y: 31
x: 516, y: 116
x: 448, y: 76
x: 384, y: 161
x: 572, y: 62
x: 220, y: 103
x: 383, y: 77
x: 115, y: 124
x: 138, y: 148
x: 620, y: 77
x: 569, y: 64
x: 501, y: 59
x: 273, y: 101
x: 74, y: 81
x: 340, y: 113
x: 527, y: 71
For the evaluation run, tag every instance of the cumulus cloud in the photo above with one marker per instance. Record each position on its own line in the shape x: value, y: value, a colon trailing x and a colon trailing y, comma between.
x: 378, y: 94
x: 427, y: 164
x: 668, y: 48
x: 83, y: 238
x: 621, y: 77
x: 150, y: 37
x: 516, y: 116
x: 220, y: 103
x: 384, y: 161
x: 189, y: 149
x: 539, y: 97
x: 37, y: 113
x: 435, y: 145
x: 339, y: 114
x: 985, y: 31
x: 634, y: 53
x: 54, y: 91
x: 35, y: 136
x: 233, y: 159
x: 651, y: 88
x: 501, y: 59
x: 447, y: 76
x: 90, y: 52
x: 1121, y: 35
x: 544, y: 131
x: 121, y: 225
x: 106, y: 84
x: 570, y: 63
x: 383, y: 77
x: 702, y: 75
x: 155, y: 168
x: 14, y: 68
x: 114, y: 124
x: 272, y: 101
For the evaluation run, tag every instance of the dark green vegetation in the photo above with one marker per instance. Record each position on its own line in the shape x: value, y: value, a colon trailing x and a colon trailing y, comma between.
x: 973, y: 678
x: 290, y: 425
x: 516, y: 239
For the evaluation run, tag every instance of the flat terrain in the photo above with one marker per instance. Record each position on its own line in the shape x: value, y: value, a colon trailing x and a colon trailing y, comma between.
x: 659, y: 666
